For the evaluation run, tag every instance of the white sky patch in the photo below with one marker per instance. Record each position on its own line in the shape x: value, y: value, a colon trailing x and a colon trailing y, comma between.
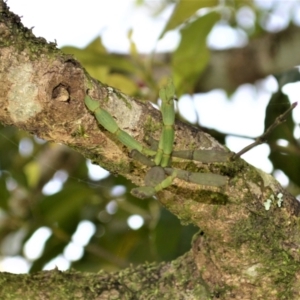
x: 268, y: 84
x: 56, y: 183
x: 245, y: 17
x: 135, y: 222
x: 14, y: 264
x: 110, y: 19
x: 169, y: 41
x: 274, y: 22
x: 264, y: 4
x: 187, y: 108
x: 281, y: 15
x: 34, y: 247
x: 257, y: 156
x: 25, y: 147
x: 118, y: 190
x: 112, y: 207
x: 70, y: 28
x: 296, y: 14
x: 95, y: 172
x: 73, y: 252
x: 297, y: 132
x: 223, y: 36
x: 281, y: 177
x: 59, y: 262
x: 282, y: 142
x: 240, y: 115
x: 153, y: 28
x: 85, y: 230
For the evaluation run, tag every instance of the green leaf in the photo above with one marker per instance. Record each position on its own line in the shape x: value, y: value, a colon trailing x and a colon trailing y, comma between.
x: 288, y: 162
x: 290, y: 76
x: 192, y: 55
x: 106, y: 67
x: 96, y: 46
x: 284, y: 158
x: 123, y: 83
x: 95, y: 54
x: 32, y: 171
x: 184, y: 10
x: 278, y: 104
x: 133, y: 48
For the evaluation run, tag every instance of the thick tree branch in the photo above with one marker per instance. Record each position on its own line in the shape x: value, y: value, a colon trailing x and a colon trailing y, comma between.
x: 271, y: 53
x: 148, y: 281
x: 243, y: 252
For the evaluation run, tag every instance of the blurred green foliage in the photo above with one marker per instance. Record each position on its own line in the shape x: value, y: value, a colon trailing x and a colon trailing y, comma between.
x: 24, y: 207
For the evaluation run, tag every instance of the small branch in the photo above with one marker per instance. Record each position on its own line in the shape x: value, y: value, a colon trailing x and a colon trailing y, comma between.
x: 263, y: 138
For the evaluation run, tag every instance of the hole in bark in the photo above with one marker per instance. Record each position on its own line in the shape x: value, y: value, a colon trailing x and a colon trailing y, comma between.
x: 73, y: 62
x: 61, y: 93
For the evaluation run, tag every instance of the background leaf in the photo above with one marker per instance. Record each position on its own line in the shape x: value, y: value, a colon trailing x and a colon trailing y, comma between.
x: 185, y: 9
x: 192, y: 54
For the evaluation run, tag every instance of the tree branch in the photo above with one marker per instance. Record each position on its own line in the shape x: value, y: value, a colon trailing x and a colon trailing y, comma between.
x: 148, y: 281
x: 263, y: 138
x: 270, y: 53
x: 243, y: 252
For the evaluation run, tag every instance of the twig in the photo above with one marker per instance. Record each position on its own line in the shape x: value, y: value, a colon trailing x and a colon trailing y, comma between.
x: 263, y: 138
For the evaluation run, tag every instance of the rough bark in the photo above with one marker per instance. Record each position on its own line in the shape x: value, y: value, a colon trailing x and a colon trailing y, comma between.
x: 243, y: 250
x: 148, y: 281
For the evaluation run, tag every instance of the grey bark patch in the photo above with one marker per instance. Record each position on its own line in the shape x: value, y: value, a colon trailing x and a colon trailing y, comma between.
x: 23, y: 93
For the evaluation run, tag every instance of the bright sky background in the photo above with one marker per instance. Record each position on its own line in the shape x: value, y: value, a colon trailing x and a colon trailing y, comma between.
x: 77, y: 23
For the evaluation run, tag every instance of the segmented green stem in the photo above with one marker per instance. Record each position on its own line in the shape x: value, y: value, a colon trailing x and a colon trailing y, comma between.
x: 148, y: 191
x: 107, y: 121
x: 205, y: 156
x: 208, y: 179
x: 166, y: 141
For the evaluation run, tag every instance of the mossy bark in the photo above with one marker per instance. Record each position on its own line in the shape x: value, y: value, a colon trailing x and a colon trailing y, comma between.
x: 175, y: 280
x: 243, y: 250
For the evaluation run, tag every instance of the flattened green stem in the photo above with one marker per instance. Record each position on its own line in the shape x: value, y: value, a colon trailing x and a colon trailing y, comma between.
x: 143, y: 192
x: 149, y: 191
x: 143, y: 159
x: 165, y: 146
x: 166, y: 141
x: 107, y: 121
x: 208, y: 179
x: 155, y: 176
x: 167, y: 182
x: 205, y: 156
